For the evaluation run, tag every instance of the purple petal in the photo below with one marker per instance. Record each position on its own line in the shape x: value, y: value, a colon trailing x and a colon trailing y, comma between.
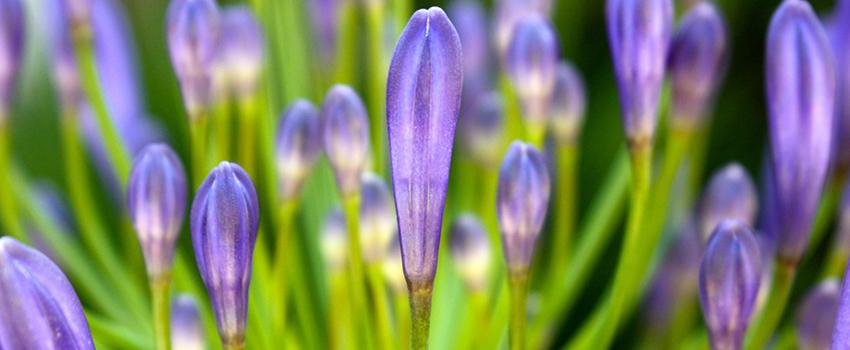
x: 345, y: 132
x: 816, y: 316
x: 567, y: 105
x: 298, y: 146
x: 193, y: 30
x: 532, y: 60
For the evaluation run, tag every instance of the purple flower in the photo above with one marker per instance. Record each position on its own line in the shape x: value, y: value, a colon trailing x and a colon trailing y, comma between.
x: 639, y: 36
x: 38, y: 306
x: 298, y: 146
x: 471, y: 251
x: 521, y: 203
x: 482, y: 129
x: 423, y: 100
x: 335, y: 240
x: 377, y: 218
x: 156, y: 198
x: 567, y: 105
x: 224, y: 221
x: 816, y: 316
x: 532, y: 60
x: 729, y: 283
x: 800, y: 96
x: 187, y: 331
x: 11, y: 49
x: 241, y: 50
x: 696, y: 63
x: 839, y: 32
x: 730, y: 194
x: 193, y: 30
x: 346, y: 136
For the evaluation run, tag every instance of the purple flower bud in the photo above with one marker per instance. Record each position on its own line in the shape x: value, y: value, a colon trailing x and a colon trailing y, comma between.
x: 639, y: 36
x: 193, y: 32
x: 298, y: 146
x: 816, y: 316
x: 509, y: 13
x: 471, y: 251
x: 532, y: 60
x: 730, y: 194
x: 187, y: 331
x: 324, y: 19
x: 224, y: 221
x: 839, y: 31
x: 11, y: 49
x: 241, y: 49
x: 335, y: 240
x: 38, y: 306
x: 483, y: 129
x: 841, y: 332
x: 377, y: 218
x: 346, y: 136
x: 567, y: 106
x: 676, y: 281
x: 156, y: 198
x: 800, y: 95
x: 729, y: 282
x: 423, y: 99
x: 521, y: 202
x: 471, y: 22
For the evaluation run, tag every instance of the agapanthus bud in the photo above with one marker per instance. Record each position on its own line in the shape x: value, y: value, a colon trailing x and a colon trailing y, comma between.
x: 187, y: 331
x: 839, y: 31
x: 241, y: 49
x: 841, y: 332
x: 509, y: 13
x: 471, y: 251
x: 730, y: 194
x: 800, y: 96
x: 335, y: 240
x: 639, y: 36
x: 38, y: 306
x: 325, y: 20
x: 346, y: 136
x: 224, y: 221
x: 521, y: 202
x: 483, y: 129
x: 729, y: 282
x: 193, y: 32
x: 532, y: 60
x: 423, y: 100
x: 298, y: 146
x: 11, y: 49
x: 696, y: 63
x: 676, y: 281
x: 471, y: 22
x: 816, y: 316
x: 377, y: 217
x: 566, y: 109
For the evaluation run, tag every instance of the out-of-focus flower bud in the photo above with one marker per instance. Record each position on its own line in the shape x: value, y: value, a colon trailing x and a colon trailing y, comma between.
x: 193, y: 33
x: 324, y: 18
x: 509, y: 13
x: 241, y: 50
x: 377, y: 217
x: 335, y: 240
x: 471, y: 251
x: 346, y: 136
x: 676, y: 281
x: 730, y: 194
x: 11, y: 49
x: 816, y: 316
x: 839, y: 31
x: 567, y: 106
x: 532, y: 61
x: 298, y: 146
x: 393, y: 269
x: 471, y: 22
x: 187, y: 331
x: 483, y: 129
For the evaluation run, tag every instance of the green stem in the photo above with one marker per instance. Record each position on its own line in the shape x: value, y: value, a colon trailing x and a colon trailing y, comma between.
x: 359, y: 311
x: 8, y: 207
x: 281, y: 258
x: 375, y: 12
x: 476, y: 321
x: 565, y: 211
x: 223, y: 127
x: 346, y: 41
x: 247, y: 134
x: 382, y: 312
x: 420, y: 311
x: 519, y: 294
x: 338, y: 298
x: 160, y: 288
x: 761, y: 330
x: 107, y: 331
x: 402, y: 320
x: 200, y: 165
x: 836, y: 262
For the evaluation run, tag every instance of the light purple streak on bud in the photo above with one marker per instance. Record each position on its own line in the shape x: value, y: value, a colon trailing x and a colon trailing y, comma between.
x: 471, y: 251
x: 816, y: 316
x: 471, y: 22
x: 224, y: 221
x: 241, y: 49
x: 532, y: 61
x: 156, y: 198
x: 696, y: 64
x: 345, y: 132
x: 729, y: 283
x: 423, y: 100
x: 193, y: 30
x: 839, y: 31
x: 377, y: 217
x: 483, y: 128
x: 567, y: 105
x: 509, y: 13
x: 324, y: 16
x: 335, y: 240
x: 730, y: 194
x: 521, y: 202
x: 11, y: 49
x: 800, y: 97
x: 298, y: 146
x: 38, y: 306
x: 187, y: 331
x: 639, y: 36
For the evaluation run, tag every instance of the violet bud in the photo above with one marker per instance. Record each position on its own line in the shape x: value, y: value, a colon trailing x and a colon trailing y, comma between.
x: 800, y: 96
x: 224, y: 221
x: 567, y: 106
x: 639, y: 36
x: 377, y: 217
x: 241, y: 50
x: 324, y: 19
x: 346, y: 137
x: 841, y: 332
x: 696, y: 63
x: 816, y: 316
x: 471, y: 251
x: 423, y: 99
x: 298, y: 146
x: 193, y: 34
x: 730, y: 194
x: 676, y: 281
x: 839, y: 32
x: 729, y: 283
x: 521, y: 203
x: 509, y: 13
x: 483, y: 129
x: 334, y: 241
x: 38, y: 306
x: 11, y: 49
x: 187, y: 331
x: 470, y: 20
x: 532, y: 60
x: 156, y: 198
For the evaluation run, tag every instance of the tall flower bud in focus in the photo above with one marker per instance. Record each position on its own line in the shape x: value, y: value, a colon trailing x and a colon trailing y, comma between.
x: 346, y: 137
x: 187, y: 331
x: 800, y: 97
x: 482, y: 130
x: 224, y: 221
x: 11, y: 51
x: 471, y: 251
x: 297, y: 147
x: 193, y: 28
x: 816, y: 316
x: 567, y: 106
x: 729, y: 282
x: 730, y: 194
x: 377, y: 217
x: 241, y: 50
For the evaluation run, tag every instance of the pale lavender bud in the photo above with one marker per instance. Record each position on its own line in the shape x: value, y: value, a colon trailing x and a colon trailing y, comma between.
x: 509, y: 13
x: 639, y: 36
x: 324, y: 18
x: 38, y: 306
x: 187, y: 331
x: 193, y: 32
x: 483, y: 128
x: 423, y: 100
x: 11, y: 49
x: 471, y: 22
x: 334, y: 240
x: 839, y: 31
x: 729, y: 283
x: 567, y: 106
x: 241, y: 50
x: 676, y: 281
x: 816, y: 316
x: 345, y: 132
x: 377, y: 217
x: 841, y: 332
x: 471, y: 251
x: 521, y: 202
x: 800, y: 97
x: 532, y: 60
x: 224, y: 221
x: 730, y: 194
x: 298, y: 146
